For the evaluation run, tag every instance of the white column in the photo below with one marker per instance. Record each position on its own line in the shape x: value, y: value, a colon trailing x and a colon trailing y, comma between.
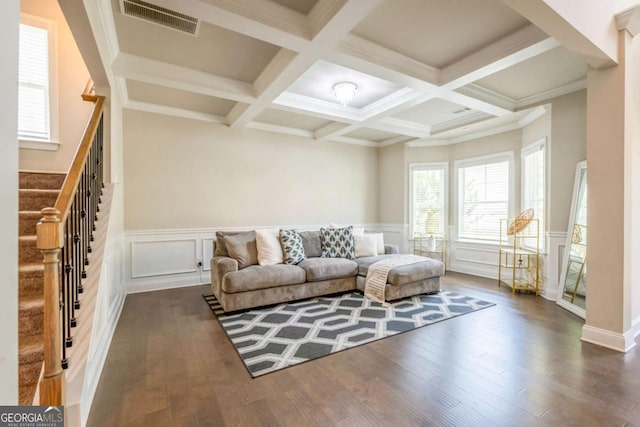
x: 9, y: 21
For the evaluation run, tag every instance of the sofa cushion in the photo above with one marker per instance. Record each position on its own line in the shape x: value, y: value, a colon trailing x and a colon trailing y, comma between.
x: 337, y: 242
x: 292, y: 248
x: 261, y: 277
x: 311, y: 243
x: 406, y: 273
x: 366, y: 245
x: 268, y: 245
x: 328, y: 268
x: 242, y: 248
x: 221, y: 248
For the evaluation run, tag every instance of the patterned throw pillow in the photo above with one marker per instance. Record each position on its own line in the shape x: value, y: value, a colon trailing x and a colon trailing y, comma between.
x: 292, y: 248
x: 337, y: 243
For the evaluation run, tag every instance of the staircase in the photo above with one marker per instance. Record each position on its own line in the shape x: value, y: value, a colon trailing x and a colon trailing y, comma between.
x: 37, y: 191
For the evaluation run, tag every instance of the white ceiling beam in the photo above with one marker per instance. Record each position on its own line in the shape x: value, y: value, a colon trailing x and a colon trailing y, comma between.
x: 355, y: 141
x: 479, y: 92
x: 259, y: 19
x: 172, y: 111
x: 402, y: 127
x: 334, y: 27
x: 391, y: 141
x: 330, y: 131
x: 371, y: 58
x: 551, y: 93
x: 280, y: 129
x: 504, y: 53
x: 586, y: 30
x: 458, y: 122
x: 178, y: 77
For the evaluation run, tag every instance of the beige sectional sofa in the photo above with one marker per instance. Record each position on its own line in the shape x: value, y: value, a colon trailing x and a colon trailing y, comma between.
x: 259, y: 285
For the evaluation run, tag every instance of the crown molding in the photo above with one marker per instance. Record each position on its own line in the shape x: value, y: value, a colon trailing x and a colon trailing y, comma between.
x: 392, y: 141
x: 486, y: 132
x: 629, y: 19
x: 427, y: 143
x: 488, y: 95
x: 551, y: 93
x: 533, y: 115
x: 458, y: 122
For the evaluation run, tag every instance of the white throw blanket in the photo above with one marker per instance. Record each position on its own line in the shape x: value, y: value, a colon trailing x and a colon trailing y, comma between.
x: 379, y: 271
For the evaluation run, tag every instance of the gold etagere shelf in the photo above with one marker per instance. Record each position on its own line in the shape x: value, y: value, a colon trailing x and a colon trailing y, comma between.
x: 432, y: 245
x: 519, y: 255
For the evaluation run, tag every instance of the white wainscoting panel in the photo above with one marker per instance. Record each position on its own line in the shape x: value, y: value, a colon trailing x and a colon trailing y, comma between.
x: 207, y: 253
x: 394, y: 234
x: 478, y: 259
x: 158, y: 258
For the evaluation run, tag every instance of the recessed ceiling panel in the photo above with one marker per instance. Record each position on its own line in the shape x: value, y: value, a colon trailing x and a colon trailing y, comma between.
x: 161, y: 95
x: 318, y: 80
x: 371, y: 134
x: 538, y: 74
x: 439, y: 32
x: 214, y: 50
x: 285, y: 118
x: 435, y: 111
x: 302, y: 6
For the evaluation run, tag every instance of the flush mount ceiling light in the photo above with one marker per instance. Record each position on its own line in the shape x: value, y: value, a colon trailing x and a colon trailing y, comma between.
x: 344, y: 92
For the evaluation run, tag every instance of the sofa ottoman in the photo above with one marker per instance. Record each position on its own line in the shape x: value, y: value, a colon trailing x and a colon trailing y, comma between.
x: 407, y: 280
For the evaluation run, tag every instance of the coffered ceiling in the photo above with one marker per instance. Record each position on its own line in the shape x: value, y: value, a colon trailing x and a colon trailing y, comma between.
x: 428, y: 71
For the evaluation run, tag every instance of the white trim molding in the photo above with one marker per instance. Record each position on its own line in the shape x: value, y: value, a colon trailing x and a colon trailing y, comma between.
x: 604, y: 338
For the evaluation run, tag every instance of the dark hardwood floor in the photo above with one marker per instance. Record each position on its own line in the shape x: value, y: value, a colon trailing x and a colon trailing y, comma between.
x: 520, y: 363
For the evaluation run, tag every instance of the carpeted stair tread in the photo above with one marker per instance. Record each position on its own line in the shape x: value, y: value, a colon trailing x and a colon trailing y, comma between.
x: 31, y: 280
x: 28, y: 221
x: 31, y: 349
x: 31, y: 316
x: 44, y: 180
x: 29, y: 252
x: 35, y: 200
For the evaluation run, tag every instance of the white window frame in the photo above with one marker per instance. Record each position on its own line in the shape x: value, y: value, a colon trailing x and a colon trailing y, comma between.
x: 540, y: 145
x: 52, y: 144
x: 476, y: 161
x: 445, y: 200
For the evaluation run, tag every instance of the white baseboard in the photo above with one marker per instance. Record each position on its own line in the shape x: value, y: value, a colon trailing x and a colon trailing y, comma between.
x: 158, y: 283
x: 487, y: 271
x: 550, y: 293
x: 604, y: 338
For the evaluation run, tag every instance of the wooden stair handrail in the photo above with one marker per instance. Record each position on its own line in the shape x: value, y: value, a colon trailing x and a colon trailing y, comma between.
x: 70, y: 185
x: 50, y: 240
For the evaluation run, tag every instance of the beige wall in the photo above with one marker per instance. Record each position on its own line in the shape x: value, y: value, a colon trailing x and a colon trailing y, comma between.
x: 391, y: 184
x: 73, y: 113
x: 567, y: 148
x: 182, y: 173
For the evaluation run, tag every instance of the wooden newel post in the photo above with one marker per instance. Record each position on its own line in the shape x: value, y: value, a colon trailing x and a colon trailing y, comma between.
x: 50, y: 241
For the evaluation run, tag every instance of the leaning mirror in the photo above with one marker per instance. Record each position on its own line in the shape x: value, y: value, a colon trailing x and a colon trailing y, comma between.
x: 572, y: 292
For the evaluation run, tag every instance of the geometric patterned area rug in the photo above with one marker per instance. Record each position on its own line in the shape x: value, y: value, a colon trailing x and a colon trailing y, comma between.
x: 273, y: 338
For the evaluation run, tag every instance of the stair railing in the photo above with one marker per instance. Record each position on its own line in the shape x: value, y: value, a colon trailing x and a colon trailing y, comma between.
x: 65, y: 233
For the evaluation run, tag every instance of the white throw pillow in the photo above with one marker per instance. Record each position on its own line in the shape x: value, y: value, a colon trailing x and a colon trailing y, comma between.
x: 379, y: 241
x: 268, y: 244
x: 366, y: 245
x: 357, y: 231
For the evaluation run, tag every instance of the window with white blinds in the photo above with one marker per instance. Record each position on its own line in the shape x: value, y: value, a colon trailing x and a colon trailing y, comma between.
x: 34, y: 83
x: 533, y: 186
x: 428, y: 197
x: 483, y: 196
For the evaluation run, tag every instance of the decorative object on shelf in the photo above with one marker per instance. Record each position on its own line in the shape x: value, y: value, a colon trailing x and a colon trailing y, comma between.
x: 572, y: 289
x: 520, y: 222
x: 345, y: 92
x: 433, y: 245
x: 519, y: 253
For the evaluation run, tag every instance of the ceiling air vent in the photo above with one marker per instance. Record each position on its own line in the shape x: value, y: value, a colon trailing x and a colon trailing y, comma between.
x: 461, y: 110
x: 159, y: 15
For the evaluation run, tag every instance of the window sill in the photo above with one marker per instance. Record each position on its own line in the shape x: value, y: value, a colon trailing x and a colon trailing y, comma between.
x: 478, y: 242
x: 29, y: 144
